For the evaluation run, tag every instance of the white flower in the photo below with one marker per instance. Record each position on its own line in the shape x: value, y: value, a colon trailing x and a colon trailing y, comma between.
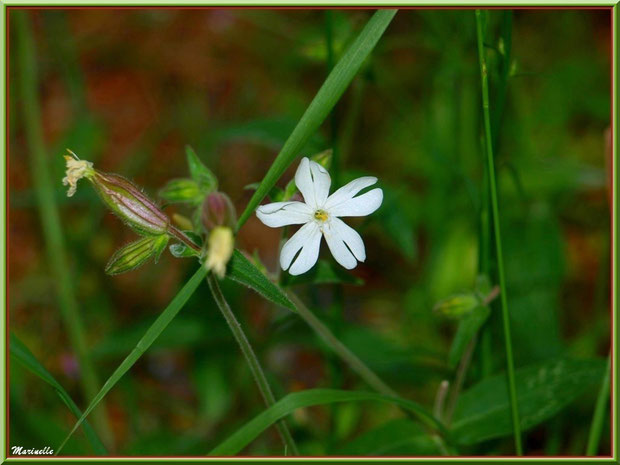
x: 320, y: 216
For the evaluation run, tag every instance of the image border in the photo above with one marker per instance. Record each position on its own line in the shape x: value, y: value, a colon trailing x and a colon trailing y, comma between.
x: 6, y: 5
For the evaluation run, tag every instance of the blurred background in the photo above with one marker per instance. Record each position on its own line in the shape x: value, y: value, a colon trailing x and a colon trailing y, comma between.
x: 129, y: 88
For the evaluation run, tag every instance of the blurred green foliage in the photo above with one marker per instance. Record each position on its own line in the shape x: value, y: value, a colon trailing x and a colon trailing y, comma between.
x: 129, y: 89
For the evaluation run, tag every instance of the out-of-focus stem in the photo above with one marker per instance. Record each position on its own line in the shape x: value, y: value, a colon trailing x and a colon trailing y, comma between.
x: 458, y: 381
x: 498, y: 241
x: 50, y: 219
x: 250, y: 357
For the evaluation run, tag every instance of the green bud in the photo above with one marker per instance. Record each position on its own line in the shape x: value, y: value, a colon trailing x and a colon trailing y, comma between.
x: 324, y: 158
x: 136, y: 253
x: 218, y: 210
x: 457, y: 305
x: 181, y: 190
x: 126, y: 200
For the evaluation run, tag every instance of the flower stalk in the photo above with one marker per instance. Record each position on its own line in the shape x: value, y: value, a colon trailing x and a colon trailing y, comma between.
x: 251, y: 359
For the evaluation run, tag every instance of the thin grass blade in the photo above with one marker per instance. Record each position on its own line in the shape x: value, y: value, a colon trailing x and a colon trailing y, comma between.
x: 143, y: 344
x: 325, y: 99
x: 21, y: 354
x: 600, y: 411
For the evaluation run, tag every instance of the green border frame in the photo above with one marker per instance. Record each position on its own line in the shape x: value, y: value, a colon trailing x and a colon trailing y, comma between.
x: 4, y: 5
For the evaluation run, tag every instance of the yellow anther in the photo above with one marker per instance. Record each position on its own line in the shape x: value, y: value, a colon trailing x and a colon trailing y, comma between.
x: 321, y: 215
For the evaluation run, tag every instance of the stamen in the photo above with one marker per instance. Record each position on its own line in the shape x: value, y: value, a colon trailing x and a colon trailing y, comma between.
x: 321, y: 215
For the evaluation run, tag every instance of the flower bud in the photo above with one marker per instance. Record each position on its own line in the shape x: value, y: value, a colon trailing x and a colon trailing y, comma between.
x: 122, y: 196
x: 130, y: 204
x: 323, y: 158
x: 220, y: 248
x: 218, y: 210
x: 458, y: 305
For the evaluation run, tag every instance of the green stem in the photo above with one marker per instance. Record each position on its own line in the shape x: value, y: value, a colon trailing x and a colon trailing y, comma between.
x: 339, y: 348
x: 498, y: 242
x: 250, y: 357
x: 458, y: 381
x: 50, y: 218
x: 602, y: 405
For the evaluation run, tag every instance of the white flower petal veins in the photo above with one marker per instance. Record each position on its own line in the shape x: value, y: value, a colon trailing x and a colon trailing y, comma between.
x: 319, y: 214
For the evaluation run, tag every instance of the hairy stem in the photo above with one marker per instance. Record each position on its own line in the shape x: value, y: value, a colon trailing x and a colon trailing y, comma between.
x: 498, y: 242
x: 182, y: 237
x: 250, y: 357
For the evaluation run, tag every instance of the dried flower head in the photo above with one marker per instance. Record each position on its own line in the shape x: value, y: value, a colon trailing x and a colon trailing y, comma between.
x: 76, y: 170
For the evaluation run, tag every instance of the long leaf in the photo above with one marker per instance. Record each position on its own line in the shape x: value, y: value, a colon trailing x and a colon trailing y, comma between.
x: 243, y: 271
x: 21, y: 353
x: 483, y: 412
x: 288, y: 404
x: 143, y: 344
x: 325, y: 99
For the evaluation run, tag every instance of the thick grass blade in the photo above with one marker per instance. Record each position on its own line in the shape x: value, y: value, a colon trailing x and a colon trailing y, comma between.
x: 325, y: 99
x: 251, y: 430
x: 48, y: 212
x: 21, y: 353
x: 143, y: 344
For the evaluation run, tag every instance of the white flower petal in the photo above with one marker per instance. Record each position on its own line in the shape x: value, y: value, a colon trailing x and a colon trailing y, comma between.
x: 361, y: 205
x: 350, y: 237
x: 308, y: 239
x: 348, y: 191
x: 279, y: 214
x: 313, y: 182
x: 335, y: 235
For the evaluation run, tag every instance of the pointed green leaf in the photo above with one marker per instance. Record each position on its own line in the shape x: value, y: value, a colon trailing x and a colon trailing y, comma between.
x: 543, y: 389
x: 330, y: 92
x: 136, y: 253
x: 22, y: 354
x: 199, y: 172
x: 243, y: 271
x: 159, y: 246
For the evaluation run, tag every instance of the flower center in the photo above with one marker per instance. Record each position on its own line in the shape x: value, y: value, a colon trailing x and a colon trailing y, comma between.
x: 321, y: 215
